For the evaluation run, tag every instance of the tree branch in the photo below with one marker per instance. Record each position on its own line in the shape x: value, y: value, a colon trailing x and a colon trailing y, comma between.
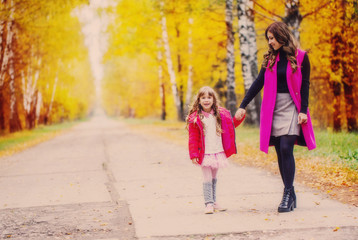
x: 316, y: 10
x: 272, y: 13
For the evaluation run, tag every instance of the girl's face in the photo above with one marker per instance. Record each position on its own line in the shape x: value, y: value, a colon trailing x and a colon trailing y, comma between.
x: 273, y: 42
x: 206, y: 101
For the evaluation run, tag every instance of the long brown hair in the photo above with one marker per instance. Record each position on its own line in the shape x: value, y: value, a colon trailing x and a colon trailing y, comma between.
x: 196, y: 107
x: 283, y: 35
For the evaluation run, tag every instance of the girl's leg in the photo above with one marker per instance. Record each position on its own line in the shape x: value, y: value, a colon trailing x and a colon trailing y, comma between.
x: 214, y: 172
x: 217, y: 207
x: 207, y: 185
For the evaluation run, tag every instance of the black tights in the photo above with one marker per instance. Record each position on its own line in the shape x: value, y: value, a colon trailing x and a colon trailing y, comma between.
x: 286, y: 161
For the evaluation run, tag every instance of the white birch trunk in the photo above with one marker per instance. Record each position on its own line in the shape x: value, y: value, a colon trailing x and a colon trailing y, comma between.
x: 12, y: 86
x: 171, y: 71
x: 248, y: 51
x: 11, y: 61
x: 161, y: 82
x: 38, y: 106
x: 230, y: 58
x: 6, y: 51
x: 52, y: 96
x: 293, y: 17
x: 29, y: 85
x: 189, y: 88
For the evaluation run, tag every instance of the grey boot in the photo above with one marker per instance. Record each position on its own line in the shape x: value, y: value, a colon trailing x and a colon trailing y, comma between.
x: 208, y: 192
x: 215, y: 180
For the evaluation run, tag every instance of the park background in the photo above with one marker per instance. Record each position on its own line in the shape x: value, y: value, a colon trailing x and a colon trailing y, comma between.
x: 60, y: 60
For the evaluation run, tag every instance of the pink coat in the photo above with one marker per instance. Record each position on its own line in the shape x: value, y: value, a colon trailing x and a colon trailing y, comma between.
x: 197, y: 139
x: 294, y: 81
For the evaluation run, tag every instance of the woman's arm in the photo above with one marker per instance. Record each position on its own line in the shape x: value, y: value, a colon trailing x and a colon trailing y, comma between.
x: 305, y: 70
x: 255, y: 88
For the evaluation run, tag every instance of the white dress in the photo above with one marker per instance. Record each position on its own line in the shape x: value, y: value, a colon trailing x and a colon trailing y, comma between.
x: 214, y: 156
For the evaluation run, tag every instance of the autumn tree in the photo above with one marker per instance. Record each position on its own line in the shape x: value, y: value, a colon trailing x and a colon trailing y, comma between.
x: 34, y: 39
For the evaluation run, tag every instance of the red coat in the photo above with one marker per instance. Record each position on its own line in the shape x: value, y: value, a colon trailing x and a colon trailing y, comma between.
x: 197, y: 139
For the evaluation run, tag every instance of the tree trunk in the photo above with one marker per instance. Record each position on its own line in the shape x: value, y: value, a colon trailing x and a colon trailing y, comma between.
x: 30, y: 94
x: 14, y: 121
x: 180, y: 68
x: 189, y: 87
x: 348, y: 74
x: 293, y: 17
x: 248, y: 50
x: 170, y: 64
x: 47, y: 117
x: 161, y: 83
x: 337, y: 117
x: 230, y: 56
x: 6, y: 47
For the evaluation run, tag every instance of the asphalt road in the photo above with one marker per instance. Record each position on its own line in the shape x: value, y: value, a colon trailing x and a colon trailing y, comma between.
x: 103, y: 181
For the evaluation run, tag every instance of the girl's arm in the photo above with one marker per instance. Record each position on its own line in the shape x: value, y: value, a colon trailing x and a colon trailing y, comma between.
x: 194, y: 139
x: 238, y: 122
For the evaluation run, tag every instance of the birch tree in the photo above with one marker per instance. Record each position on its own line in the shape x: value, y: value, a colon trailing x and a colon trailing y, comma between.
x: 230, y: 58
x: 248, y: 51
x: 189, y: 88
x: 169, y: 62
x: 161, y: 80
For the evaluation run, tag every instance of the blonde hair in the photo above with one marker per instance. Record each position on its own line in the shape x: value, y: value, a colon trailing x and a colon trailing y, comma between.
x: 196, y: 107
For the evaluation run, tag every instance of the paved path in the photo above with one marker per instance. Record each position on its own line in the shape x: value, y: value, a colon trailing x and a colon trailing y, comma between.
x: 102, y: 181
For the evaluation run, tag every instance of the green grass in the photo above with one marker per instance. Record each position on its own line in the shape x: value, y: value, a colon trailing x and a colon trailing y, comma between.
x: 339, y: 147
x: 14, y: 141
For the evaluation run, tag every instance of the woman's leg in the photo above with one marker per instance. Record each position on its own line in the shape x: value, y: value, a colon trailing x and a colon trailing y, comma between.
x: 287, y: 159
x: 279, y: 158
x: 287, y: 172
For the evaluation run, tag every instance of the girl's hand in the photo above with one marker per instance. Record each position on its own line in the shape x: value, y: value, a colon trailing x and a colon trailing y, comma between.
x: 302, y: 118
x: 240, y: 113
x: 195, y: 161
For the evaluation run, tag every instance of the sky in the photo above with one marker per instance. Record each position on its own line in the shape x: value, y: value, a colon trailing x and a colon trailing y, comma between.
x: 94, y: 24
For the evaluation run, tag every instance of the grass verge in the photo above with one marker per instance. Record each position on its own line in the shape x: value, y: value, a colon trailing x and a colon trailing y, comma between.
x: 18, y: 141
x: 331, y: 168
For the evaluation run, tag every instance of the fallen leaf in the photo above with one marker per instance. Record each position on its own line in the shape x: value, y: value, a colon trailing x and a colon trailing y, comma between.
x: 336, y: 229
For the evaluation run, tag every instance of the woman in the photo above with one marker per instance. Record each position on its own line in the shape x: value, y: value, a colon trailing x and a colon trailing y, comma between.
x: 285, y: 119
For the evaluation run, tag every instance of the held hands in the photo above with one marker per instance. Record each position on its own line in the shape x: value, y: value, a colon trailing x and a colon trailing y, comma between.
x: 302, y: 118
x: 240, y: 113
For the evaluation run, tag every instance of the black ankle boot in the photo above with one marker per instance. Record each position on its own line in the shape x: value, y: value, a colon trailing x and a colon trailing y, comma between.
x: 294, y: 197
x: 288, y: 202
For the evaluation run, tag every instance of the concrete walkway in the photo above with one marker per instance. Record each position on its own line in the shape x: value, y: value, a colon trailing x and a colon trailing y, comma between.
x: 144, y: 187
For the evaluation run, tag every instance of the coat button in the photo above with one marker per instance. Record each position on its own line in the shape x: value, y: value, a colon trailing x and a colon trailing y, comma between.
x: 296, y: 93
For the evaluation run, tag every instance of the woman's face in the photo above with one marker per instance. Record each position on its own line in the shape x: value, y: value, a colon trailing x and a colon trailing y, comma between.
x: 206, y: 101
x: 272, y: 41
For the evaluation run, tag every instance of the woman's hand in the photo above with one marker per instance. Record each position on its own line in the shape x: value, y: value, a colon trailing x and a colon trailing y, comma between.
x: 302, y: 118
x: 195, y: 161
x: 240, y: 113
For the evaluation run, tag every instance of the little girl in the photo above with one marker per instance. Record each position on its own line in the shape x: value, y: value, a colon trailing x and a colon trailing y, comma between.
x: 211, y: 141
